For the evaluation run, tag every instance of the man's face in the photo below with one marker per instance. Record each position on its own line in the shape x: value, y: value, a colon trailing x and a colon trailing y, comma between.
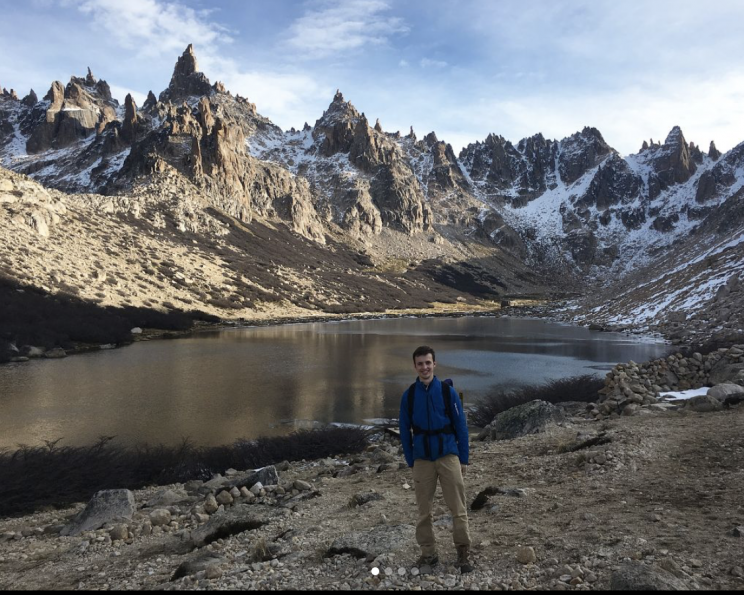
x: 425, y: 365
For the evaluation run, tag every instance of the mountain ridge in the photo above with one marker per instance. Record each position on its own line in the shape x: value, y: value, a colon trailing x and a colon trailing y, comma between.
x: 571, y: 213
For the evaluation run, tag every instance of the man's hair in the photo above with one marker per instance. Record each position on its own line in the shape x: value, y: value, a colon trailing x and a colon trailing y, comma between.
x: 424, y: 350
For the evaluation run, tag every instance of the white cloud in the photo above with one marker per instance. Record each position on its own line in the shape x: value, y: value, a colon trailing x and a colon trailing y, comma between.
x: 337, y: 26
x: 150, y: 27
x: 625, y: 117
x: 427, y: 63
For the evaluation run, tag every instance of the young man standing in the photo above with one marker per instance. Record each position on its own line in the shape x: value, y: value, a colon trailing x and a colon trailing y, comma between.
x: 434, y: 434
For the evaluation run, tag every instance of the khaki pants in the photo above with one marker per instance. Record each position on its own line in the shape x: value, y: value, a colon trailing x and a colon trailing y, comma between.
x: 425, y: 474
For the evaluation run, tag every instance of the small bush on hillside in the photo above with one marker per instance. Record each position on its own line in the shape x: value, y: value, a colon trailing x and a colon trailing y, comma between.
x: 577, y: 388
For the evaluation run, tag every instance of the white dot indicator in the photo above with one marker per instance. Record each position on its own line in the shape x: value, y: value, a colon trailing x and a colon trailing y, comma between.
x: 375, y: 571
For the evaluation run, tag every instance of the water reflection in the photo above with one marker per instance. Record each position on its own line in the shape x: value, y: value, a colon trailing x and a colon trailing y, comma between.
x: 224, y: 385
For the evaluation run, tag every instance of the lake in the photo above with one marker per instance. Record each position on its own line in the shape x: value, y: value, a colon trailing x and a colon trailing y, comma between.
x: 218, y: 386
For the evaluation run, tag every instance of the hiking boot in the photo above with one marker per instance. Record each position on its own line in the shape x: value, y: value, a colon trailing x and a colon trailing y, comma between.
x: 427, y: 560
x: 463, y: 563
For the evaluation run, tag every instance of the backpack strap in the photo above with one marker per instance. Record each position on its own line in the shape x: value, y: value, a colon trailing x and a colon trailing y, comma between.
x: 448, y: 402
x: 411, y: 395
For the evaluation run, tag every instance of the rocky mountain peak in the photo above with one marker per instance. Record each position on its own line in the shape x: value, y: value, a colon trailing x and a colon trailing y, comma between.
x: 336, y: 126
x: 90, y: 80
x: 338, y: 110
x: 74, y: 112
x: 150, y: 102
x: 675, y: 137
x: 186, y: 64
x: 713, y: 153
x: 431, y: 139
x: 30, y: 100
x: 186, y: 81
x: 580, y: 152
x: 673, y: 161
x: 56, y: 94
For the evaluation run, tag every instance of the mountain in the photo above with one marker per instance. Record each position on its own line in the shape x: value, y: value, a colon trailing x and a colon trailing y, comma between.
x: 499, y: 221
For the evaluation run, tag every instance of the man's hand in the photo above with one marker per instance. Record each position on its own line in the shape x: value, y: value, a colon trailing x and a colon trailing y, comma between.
x: 464, y: 469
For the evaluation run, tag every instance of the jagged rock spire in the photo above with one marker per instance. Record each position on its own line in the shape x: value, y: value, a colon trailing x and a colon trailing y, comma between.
x: 186, y: 64
x: 30, y: 100
x: 186, y: 81
x: 713, y: 153
x: 149, y: 102
x: 129, y: 125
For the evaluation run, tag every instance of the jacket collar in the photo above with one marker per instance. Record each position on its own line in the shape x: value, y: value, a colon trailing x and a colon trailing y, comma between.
x: 433, y: 384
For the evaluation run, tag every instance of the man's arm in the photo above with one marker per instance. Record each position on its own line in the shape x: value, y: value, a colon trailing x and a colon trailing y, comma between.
x: 461, y: 429
x: 404, y: 425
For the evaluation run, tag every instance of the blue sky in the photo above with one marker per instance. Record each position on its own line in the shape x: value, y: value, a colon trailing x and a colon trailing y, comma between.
x: 463, y: 68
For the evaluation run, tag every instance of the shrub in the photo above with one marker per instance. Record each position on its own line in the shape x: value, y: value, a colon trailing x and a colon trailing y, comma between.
x: 34, y: 477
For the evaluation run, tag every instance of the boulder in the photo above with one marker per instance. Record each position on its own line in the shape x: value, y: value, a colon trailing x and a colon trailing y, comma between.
x: 167, y: 497
x: 634, y: 576
x: 234, y: 520
x: 703, y: 404
x: 379, y: 540
x: 106, y: 506
x: 265, y: 476
x: 726, y: 372
x: 724, y: 390
x: 196, y: 562
x: 529, y: 418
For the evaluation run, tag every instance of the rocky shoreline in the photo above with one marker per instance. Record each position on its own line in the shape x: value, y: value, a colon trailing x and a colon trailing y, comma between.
x: 148, y: 334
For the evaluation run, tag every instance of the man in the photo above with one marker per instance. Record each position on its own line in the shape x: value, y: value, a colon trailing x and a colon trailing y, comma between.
x: 434, y: 434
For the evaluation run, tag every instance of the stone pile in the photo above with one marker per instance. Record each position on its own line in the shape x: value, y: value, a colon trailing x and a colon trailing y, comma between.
x: 628, y: 387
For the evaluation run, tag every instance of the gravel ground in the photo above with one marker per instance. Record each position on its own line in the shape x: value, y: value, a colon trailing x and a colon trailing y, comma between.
x: 662, y: 495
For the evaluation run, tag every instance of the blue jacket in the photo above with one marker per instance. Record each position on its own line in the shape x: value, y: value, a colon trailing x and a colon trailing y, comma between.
x: 429, y: 414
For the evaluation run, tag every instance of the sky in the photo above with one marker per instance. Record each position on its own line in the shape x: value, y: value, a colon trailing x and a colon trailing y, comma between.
x: 462, y: 68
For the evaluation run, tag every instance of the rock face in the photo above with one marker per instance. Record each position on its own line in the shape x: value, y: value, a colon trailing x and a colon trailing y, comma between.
x: 73, y: 113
